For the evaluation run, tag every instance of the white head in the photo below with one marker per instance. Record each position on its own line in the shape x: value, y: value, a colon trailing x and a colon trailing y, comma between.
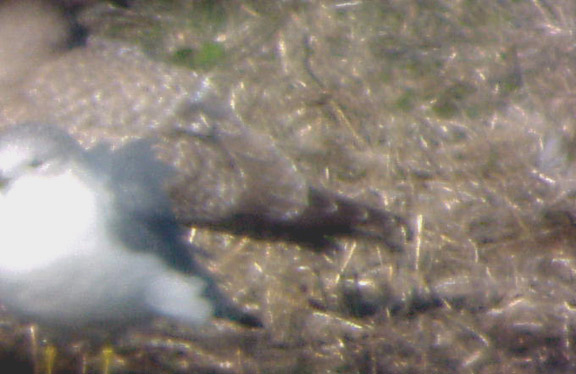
x: 45, y: 208
x: 35, y: 149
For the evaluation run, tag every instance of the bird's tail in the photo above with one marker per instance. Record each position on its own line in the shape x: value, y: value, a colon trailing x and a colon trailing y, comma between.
x: 180, y: 297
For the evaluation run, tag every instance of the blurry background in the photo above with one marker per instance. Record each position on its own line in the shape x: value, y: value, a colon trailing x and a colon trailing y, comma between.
x: 458, y: 115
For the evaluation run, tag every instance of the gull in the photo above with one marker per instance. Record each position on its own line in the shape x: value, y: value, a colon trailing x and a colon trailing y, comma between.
x: 88, y: 238
x: 229, y: 175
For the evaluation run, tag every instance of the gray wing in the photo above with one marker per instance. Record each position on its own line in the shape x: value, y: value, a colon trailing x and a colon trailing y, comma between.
x: 144, y: 220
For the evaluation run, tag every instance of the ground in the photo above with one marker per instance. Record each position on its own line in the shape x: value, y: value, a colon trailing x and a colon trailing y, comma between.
x: 457, y: 115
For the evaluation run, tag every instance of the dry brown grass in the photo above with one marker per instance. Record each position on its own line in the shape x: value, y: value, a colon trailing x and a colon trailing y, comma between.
x: 437, y: 111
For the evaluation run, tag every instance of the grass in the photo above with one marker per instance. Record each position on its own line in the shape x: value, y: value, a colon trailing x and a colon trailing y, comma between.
x: 434, y: 110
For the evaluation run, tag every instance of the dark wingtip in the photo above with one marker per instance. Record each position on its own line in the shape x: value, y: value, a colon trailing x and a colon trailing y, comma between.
x: 224, y: 307
x: 343, y: 216
x: 328, y: 215
x: 239, y: 316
